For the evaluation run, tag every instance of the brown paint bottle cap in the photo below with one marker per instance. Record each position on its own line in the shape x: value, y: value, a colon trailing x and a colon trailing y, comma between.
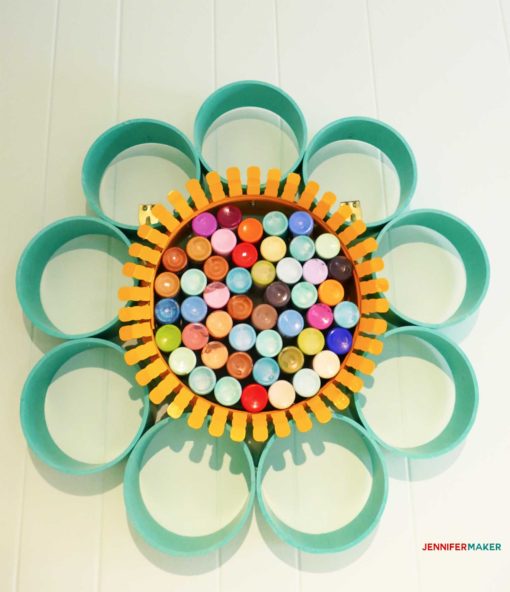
x: 167, y: 284
x: 239, y: 365
x: 174, y: 259
x: 216, y: 268
x: 277, y: 294
x: 264, y: 316
x: 240, y: 307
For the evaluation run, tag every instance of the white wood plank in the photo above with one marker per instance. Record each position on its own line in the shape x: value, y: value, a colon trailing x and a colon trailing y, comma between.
x: 26, y: 46
x: 443, y: 79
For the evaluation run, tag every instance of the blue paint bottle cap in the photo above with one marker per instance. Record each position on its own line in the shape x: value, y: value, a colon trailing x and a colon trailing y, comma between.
x: 266, y: 371
x: 167, y: 311
x: 242, y: 337
x: 301, y: 223
x: 290, y: 323
x: 193, y: 309
x: 339, y: 340
x: 239, y: 280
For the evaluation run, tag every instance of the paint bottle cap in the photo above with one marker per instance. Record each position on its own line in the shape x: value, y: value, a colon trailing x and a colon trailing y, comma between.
x: 289, y: 270
x: 202, y: 380
x: 242, y: 337
x: 311, y: 341
x: 254, y: 398
x: 273, y: 248
x: 266, y: 371
x: 264, y: 316
x: 174, y: 259
x: 290, y: 323
x: 340, y: 268
x: 301, y: 223
x: 198, y: 249
x: 263, y: 273
x: 277, y: 294
x: 326, y: 363
x: 303, y: 295
x: 182, y: 361
x: 239, y: 280
x: 216, y: 295
x: 339, y: 340
x: 193, y: 282
x: 223, y: 241
x: 218, y: 324
x: 269, y: 343
x: 315, y: 271
x: 228, y: 391
x: 168, y: 338
x: 239, y: 365
x: 193, y: 309
x: 204, y: 224
x: 306, y: 382
x: 327, y: 245
x: 281, y: 394
x: 320, y: 316
x: 214, y: 355
x: 346, y: 314
x: 195, y: 336
x: 291, y: 359
x: 167, y: 284
x: 275, y: 223
x: 216, y: 268
x: 250, y: 230
x: 229, y: 216
x: 166, y: 311
x: 245, y: 255
x: 302, y: 248
x: 240, y: 307
x: 330, y: 292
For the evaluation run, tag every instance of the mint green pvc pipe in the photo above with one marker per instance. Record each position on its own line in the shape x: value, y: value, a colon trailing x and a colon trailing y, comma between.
x: 238, y: 457
x: 470, y: 249
x: 250, y: 93
x: 118, y: 138
x: 354, y: 438
x: 36, y: 256
x: 377, y: 134
x: 33, y: 398
x: 466, y: 394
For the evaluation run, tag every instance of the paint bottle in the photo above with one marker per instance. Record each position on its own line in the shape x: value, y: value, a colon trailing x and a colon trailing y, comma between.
x: 223, y: 241
x: 167, y: 284
x: 250, y: 230
x: 275, y: 223
x: 290, y: 323
x: 315, y: 271
x: 202, y: 380
x: 168, y: 338
x: 327, y: 245
x: 311, y: 341
x: 219, y: 323
x: 245, y: 255
x: 167, y: 311
x: 254, y: 398
x: 319, y: 316
x: 281, y: 394
x: 330, y: 292
x: 326, y: 363
x: 306, y: 382
x: 198, y: 249
x: 216, y: 268
x: 303, y: 295
x: 240, y: 307
x: 291, y: 359
x: 346, y: 314
x: 301, y: 223
x: 182, y: 361
x: 174, y: 259
x: 204, y: 224
x: 302, y: 248
x: 289, y: 270
x: 277, y: 294
x: 264, y: 316
x: 263, y: 273
x: 227, y: 391
x: 273, y: 248
x: 229, y: 216
x: 239, y: 280
x: 216, y: 295
x: 266, y: 371
x: 214, y: 355
x: 340, y: 268
x: 269, y: 343
x: 195, y: 336
x: 239, y: 365
x: 339, y: 340
x: 193, y: 309
x: 193, y: 282
x: 242, y: 337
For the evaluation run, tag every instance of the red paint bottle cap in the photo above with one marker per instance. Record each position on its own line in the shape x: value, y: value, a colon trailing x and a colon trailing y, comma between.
x: 254, y: 398
x: 245, y: 255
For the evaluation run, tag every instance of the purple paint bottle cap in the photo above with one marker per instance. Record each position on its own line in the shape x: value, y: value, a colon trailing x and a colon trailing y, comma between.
x: 229, y: 217
x: 204, y: 224
x: 223, y: 241
x: 339, y: 340
x: 320, y: 316
x: 315, y: 271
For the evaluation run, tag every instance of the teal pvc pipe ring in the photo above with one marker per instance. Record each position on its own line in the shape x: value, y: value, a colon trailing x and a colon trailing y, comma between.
x: 32, y: 405
x: 250, y: 93
x: 381, y: 136
x: 120, y: 137
x: 36, y: 256
x: 466, y: 395
x: 353, y: 437
x: 160, y: 537
x: 470, y: 249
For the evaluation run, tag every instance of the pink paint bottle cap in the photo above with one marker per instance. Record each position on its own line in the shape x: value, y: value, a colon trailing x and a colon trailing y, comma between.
x: 216, y: 295
x: 320, y: 316
x: 223, y: 241
x: 315, y: 271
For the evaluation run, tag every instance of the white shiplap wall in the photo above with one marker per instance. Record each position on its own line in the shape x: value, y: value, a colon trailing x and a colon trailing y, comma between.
x: 439, y: 71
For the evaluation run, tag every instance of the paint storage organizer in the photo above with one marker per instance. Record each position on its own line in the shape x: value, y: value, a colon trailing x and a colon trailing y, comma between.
x: 257, y: 312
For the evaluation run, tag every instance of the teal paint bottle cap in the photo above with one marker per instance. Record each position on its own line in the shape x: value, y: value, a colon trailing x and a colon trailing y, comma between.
x: 202, y: 380
x: 302, y: 248
x: 228, y: 391
x: 269, y: 343
x: 303, y: 295
x: 275, y: 223
x: 193, y: 282
x: 266, y: 371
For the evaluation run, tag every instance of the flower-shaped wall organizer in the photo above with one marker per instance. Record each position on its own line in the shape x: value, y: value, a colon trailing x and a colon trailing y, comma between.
x: 257, y: 308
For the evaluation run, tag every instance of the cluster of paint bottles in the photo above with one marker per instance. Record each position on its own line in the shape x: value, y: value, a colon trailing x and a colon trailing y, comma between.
x: 255, y: 312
